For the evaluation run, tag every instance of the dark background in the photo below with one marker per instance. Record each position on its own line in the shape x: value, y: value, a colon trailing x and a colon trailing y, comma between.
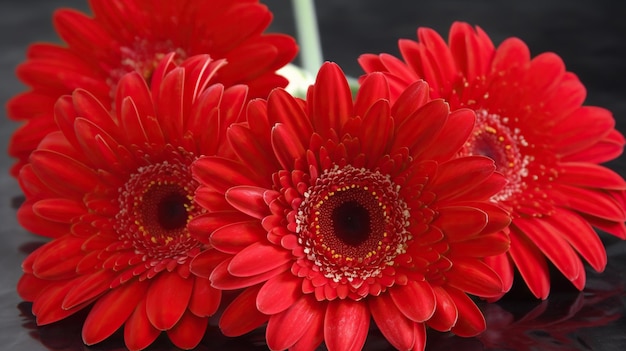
x: 589, y: 35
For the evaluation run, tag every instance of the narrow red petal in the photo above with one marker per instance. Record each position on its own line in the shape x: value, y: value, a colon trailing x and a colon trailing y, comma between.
x: 171, y: 290
x: 235, y: 237
x: 139, y: 333
x: 258, y: 258
x: 286, y: 328
x: 396, y: 328
x: 241, y: 315
x: 249, y: 200
x: 222, y: 279
x: 530, y: 262
x: 115, y: 308
x: 279, y: 293
x: 89, y: 288
x: 590, y: 175
x: 188, y: 332
x: 346, y: 325
x: 416, y: 300
x: 471, y: 321
x: 205, y: 300
x: 446, y: 313
x: 330, y: 99
x: 474, y: 277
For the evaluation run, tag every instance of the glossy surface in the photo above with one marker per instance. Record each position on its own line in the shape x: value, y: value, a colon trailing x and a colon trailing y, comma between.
x: 589, y: 35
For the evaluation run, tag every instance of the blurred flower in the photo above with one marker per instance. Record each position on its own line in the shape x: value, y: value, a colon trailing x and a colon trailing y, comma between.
x: 116, y: 193
x: 335, y: 212
x: 133, y: 35
x: 531, y: 121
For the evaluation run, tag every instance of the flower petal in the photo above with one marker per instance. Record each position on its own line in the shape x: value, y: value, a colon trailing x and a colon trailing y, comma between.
x: 287, y: 327
x: 416, y: 300
x: 446, y: 313
x: 258, y: 258
x: 530, y: 262
x: 346, y: 325
x: 396, y: 328
x: 189, y: 330
x: 205, y: 300
x: 471, y: 321
x: 115, y: 308
x: 171, y: 290
x: 249, y: 200
x: 139, y: 333
x: 279, y: 293
x: 241, y: 315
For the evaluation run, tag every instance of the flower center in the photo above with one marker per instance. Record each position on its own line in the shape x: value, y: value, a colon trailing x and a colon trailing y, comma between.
x: 143, y: 56
x: 352, y: 224
x: 493, y: 138
x: 156, y: 203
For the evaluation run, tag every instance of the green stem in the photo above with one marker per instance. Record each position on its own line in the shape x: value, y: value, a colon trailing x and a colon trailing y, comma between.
x: 308, y: 35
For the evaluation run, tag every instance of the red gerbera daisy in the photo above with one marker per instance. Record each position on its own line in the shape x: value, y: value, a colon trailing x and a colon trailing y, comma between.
x: 133, y: 35
x: 531, y: 121
x: 116, y: 193
x: 334, y: 212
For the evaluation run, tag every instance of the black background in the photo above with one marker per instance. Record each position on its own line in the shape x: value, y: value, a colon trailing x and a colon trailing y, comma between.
x: 589, y: 35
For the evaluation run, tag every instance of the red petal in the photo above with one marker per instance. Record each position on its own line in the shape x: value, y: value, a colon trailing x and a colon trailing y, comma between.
x: 416, y: 300
x: 47, y: 304
x: 58, y: 259
x: 417, y: 131
x: 59, y: 210
x: 171, y: 290
x: 461, y: 175
x: 346, y: 325
x: 501, y: 264
x: 460, y: 223
x: 373, y: 88
x: 474, y: 277
x: 89, y: 288
x: 456, y: 131
x: 412, y: 98
x: 222, y: 279
x: 376, y: 131
x: 530, y: 262
x: 242, y: 316
x: 205, y: 300
x: 63, y: 174
x: 589, y: 201
x: 286, y: 328
x: 282, y: 108
x: 555, y: 247
x: 188, y: 332
x: 249, y: 200
x: 446, y: 313
x: 396, y: 328
x: 203, y: 225
x: 286, y: 148
x: 590, y: 176
x: 330, y: 99
x: 221, y: 173
x: 203, y: 264
x: 258, y: 258
x: 139, y: 333
x: 313, y: 336
x: 114, y: 308
x: 279, y: 293
x: 235, y: 237
x: 481, y: 246
x: 471, y: 321
x: 581, y: 236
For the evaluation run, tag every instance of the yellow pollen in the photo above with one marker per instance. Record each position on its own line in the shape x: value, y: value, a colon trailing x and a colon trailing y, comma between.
x: 491, y: 130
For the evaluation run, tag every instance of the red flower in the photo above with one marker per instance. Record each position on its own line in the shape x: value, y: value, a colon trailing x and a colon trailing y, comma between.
x: 116, y: 193
x: 549, y: 147
x: 133, y: 35
x: 334, y: 212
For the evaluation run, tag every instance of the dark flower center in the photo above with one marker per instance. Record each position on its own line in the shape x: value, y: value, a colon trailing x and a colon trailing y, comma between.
x: 165, y: 207
x: 352, y: 224
x: 493, y: 138
x: 156, y: 203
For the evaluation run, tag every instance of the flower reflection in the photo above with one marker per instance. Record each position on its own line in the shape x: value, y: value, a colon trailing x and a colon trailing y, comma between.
x: 555, y: 324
